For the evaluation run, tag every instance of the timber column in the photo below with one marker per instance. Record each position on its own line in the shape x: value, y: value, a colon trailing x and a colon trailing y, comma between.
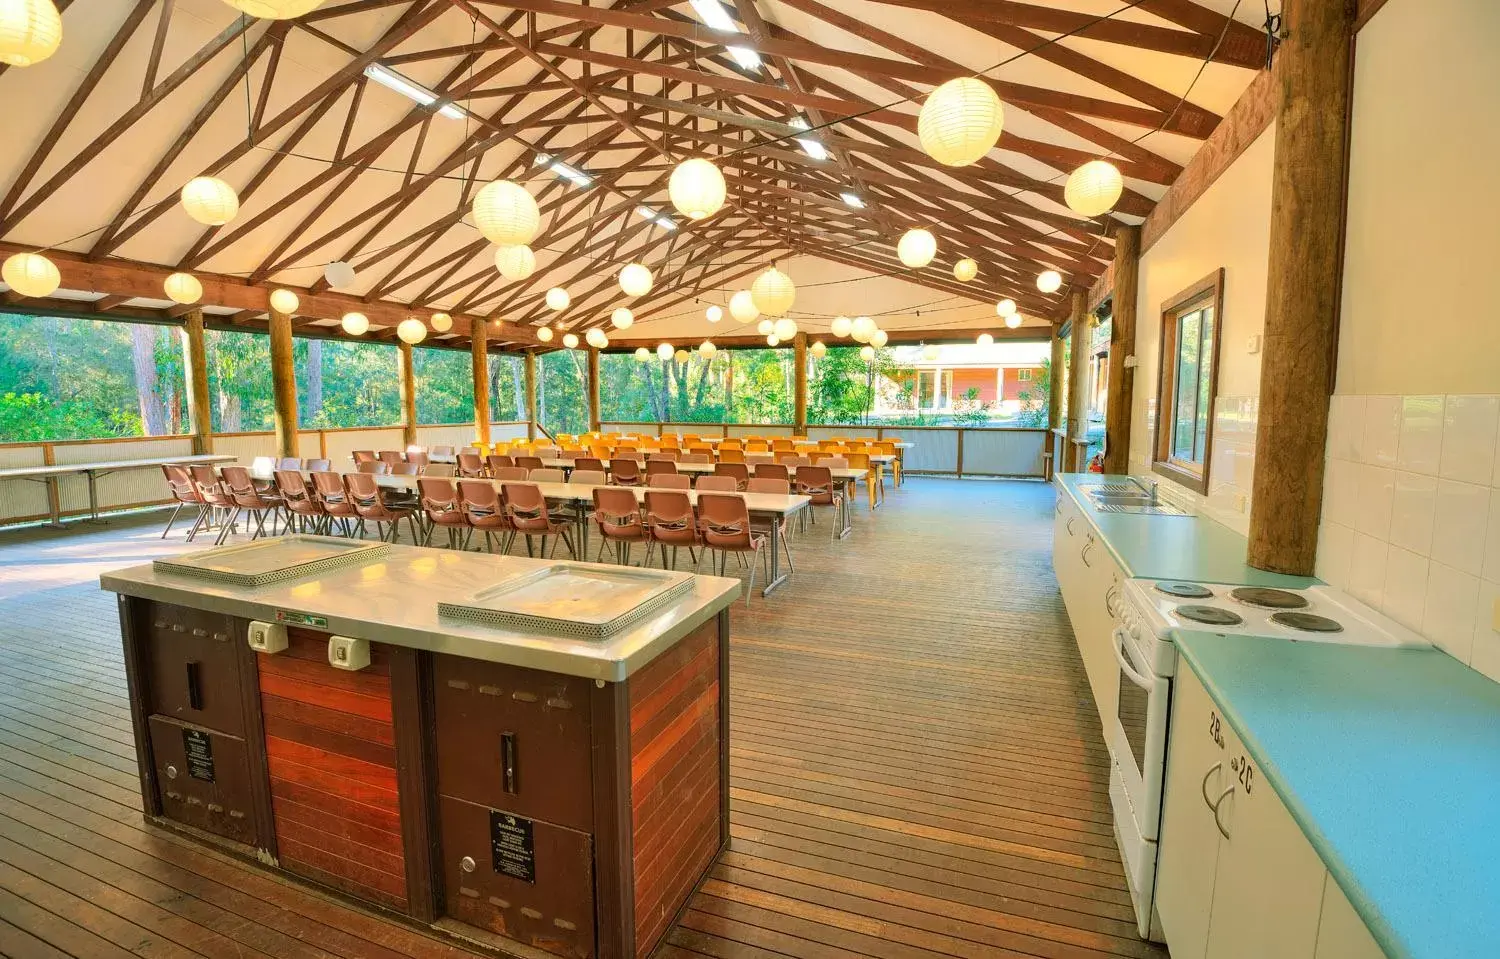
x: 1078, y: 414
x: 283, y: 383
x: 799, y: 384
x: 1302, y: 286
x: 1121, y: 396
x: 479, y: 349
x: 530, y: 412
x: 195, y: 365
x: 1055, y: 384
x: 407, y: 377
x: 594, y: 417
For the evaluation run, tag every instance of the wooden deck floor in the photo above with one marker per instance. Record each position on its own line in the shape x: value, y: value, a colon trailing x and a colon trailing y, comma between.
x: 917, y: 770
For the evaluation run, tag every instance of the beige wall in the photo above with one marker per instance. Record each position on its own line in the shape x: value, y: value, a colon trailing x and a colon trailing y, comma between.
x: 1229, y: 226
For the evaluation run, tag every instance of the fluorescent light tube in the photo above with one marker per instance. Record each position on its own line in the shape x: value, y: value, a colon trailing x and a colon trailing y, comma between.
x: 809, y: 146
x: 392, y: 80
x: 852, y: 199
x: 713, y: 13
x: 745, y: 57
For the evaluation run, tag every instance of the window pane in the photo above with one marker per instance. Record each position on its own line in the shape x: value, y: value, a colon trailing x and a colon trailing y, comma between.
x: 841, y: 386
x: 343, y: 383
x: 239, y: 381
x: 1185, y: 386
x: 653, y: 390
x: 762, y: 386
x: 562, y: 393
x: 1205, y: 383
x: 445, y: 385
x: 507, y: 387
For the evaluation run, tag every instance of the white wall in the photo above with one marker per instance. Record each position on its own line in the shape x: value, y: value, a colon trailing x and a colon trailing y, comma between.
x: 1229, y: 226
x: 1411, y: 501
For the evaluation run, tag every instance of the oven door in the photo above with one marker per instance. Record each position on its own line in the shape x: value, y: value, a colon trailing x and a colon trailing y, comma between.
x: 1137, y: 733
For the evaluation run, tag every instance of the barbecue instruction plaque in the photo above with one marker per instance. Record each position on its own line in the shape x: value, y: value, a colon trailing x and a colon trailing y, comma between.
x: 512, y: 846
x: 200, y: 754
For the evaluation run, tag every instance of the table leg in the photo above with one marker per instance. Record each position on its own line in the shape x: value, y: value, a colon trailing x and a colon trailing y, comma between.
x: 54, y: 502
x: 845, y: 515
x: 93, y: 496
x: 580, y: 523
x: 777, y: 576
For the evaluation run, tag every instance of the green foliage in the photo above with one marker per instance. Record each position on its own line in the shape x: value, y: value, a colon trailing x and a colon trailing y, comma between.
x: 970, y: 411
x: 1034, y: 400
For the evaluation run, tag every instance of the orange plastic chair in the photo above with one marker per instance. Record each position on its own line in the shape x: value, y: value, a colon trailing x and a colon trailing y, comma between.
x: 724, y: 523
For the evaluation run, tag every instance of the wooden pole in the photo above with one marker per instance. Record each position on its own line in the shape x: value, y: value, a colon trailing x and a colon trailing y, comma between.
x: 530, y: 371
x: 1078, y: 416
x: 593, y: 390
x: 1055, y: 384
x: 479, y: 350
x: 283, y: 383
x: 195, y: 370
x: 406, y: 375
x: 1121, y: 385
x: 799, y: 384
x: 1302, y: 286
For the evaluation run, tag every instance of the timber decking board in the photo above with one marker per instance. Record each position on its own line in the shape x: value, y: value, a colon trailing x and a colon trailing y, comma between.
x: 917, y: 770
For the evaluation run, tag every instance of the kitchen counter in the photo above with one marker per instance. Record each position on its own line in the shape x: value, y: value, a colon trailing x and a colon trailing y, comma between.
x: 1389, y: 760
x: 1191, y: 548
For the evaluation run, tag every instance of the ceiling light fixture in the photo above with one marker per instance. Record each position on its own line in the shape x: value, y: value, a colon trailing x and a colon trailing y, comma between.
x: 852, y: 200
x: 662, y: 220
x: 392, y: 80
x: 809, y: 146
x: 716, y: 17
x: 570, y: 173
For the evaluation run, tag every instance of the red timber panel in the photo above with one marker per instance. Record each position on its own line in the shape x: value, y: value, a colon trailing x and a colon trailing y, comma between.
x: 674, y: 772
x: 331, y: 749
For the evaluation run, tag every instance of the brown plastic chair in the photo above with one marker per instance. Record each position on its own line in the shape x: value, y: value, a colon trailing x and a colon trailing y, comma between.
x: 666, y: 453
x: 511, y: 473
x: 718, y: 483
x: 497, y: 461
x: 739, y: 471
x: 481, y: 505
x: 529, y: 513
x: 446, y: 470
x: 180, y: 483
x: 289, y: 463
x: 774, y: 487
x: 696, y: 458
x: 546, y: 474
x: 392, y: 457
x: 373, y: 467
x: 439, y: 501
x: 318, y: 466
x: 417, y: 458
x: 588, y: 478
x: 656, y: 467
x: 671, y: 524
x: 672, y: 481
x: 362, y: 490
x: 618, y: 516
x: 627, y: 472
x: 329, y: 488
x: 247, y: 499
x: 216, y: 503
x: 786, y: 456
x: 753, y: 460
x: 364, y: 456
x: 403, y: 469
x: 816, y: 482
x: 446, y: 452
x: 777, y: 471
x: 724, y: 522
x: 470, y: 464
x: 590, y: 463
x: 529, y: 462
x: 302, y: 506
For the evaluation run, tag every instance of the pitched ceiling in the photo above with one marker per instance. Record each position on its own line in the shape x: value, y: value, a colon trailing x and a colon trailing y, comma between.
x: 329, y: 165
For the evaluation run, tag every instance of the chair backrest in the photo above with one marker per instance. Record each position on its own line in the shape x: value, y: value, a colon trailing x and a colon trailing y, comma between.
x: 739, y: 471
x: 797, y: 462
x: 722, y: 484
x: 815, y: 481
x: 263, y: 465
x: 440, y: 469
x: 672, y: 454
x: 289, y: 463
x: 700, y: 448
x: 696, y: 458
x: 512, y: 473
x: 835, y: 462
x: 392, y: 457
x: 239, y: 486
x: 724, y: 520
x: 672, y: 481
x: 782, y: 444
x: 589, y: 463
x: 757, y: 446
x: 766, y: 484
x: 204, y: 476
x: 318, y: 465
x: 294, y: 492
x: 372, y: 466
x: 470, y: 463
x: 731, y: 455
x: 498, y: 460
x: 364, y: 456
x: 529, y: 462
x: 479, y: 496
x: 437, y: 495
x: 617, y: 511
x: 753, y: 460
x: 329, y: 486
x: 656, y: 467
x: 625, y: 470
x: 859, y: 461
x: 786, y: 456
x: 417, y: 458
x: 442, y: 451
x: 667, y: 507
x: 884, y: 449
x: 546, y: 452
x: 546, y: 475
x: 588, y: 477
x: 525, y: 505
x: 403, y: 469
x: 772, y: 471
x: 180, y: 482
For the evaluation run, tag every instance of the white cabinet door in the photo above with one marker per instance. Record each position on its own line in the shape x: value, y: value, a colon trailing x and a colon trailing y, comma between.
x: 1197, y: 772
x: 1101, y: 577
x: 1268, y: 883
x: 1341, y: 933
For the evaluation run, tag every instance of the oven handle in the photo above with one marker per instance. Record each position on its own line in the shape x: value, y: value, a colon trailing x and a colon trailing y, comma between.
x: 1145, y: 682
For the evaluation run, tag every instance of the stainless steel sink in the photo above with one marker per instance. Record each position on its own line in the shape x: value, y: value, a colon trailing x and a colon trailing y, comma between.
x: 1131, y: 497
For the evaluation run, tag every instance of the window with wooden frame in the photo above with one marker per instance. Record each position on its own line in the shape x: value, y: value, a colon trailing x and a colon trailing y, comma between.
x: 1188, y: 382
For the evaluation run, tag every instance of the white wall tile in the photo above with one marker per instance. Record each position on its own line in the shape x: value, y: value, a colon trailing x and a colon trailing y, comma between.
x: 1469, y: 430
x: 1373, y: 491
x: 1491, y: 570
x: 1382, y: 430
x: 1405, y: 587
x: 1335, y: 552
x: 1346, y: 427
x: 1411, y: 512
x: 1452, y: 598
x: 1485, y: 656
x: 1421, y: 444
x: 1367, y: 570
x: 1338, y: 491
x: 1459, y: 525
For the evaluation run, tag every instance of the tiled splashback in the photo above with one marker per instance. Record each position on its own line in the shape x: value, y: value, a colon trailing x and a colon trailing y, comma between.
x: 1411, y: 515
x: 1231, y: 469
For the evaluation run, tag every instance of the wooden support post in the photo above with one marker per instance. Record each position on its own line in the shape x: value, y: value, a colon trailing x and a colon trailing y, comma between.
x: 195, y: 371
x: 1302, y: 286
x: 1122, y: 347
x: 479, y: 349
x: 1078, y: 374
x: 593, y: 390
x: 283, y: 383
x: 530, y: 371
x: 799, y: 384
x: 1055, y: 377
x: 407, y: 377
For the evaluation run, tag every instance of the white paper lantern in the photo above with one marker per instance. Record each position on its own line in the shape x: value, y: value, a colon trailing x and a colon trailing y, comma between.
x: 515, y: 263
x: 544, y: 334
x: 960, y: 121
x: 773, y: 292
x: 985, y: 339
x: 773, y: 340
x: 210, y: 200
x: 681, y: 356
x: 818, y: 349
x: 765, y: 327
x: 696, y: 188
x: 1049, y: 281
x: 784, y: 329
x: 570, y: 340
x: 30, y: 31
x: 183, y: 288
x: 558, y: 299
x: 442, y: 322
x: 862, y: 329
x: 867, y: 353
x: 742, y: 307
x: 275, y: 9
x: 339, y: 274
x: 596, y: 338
x: 706, y: 349
x: 411, y: 330
x: 31, y: 274
x: 714, y: 313
x: 879, y: 338
x: 1013, y: 321
x: 622, y: 318
x: 506, y: 213
x: 664, y: 351
x: 917, y: 248
x: 635, y: 279
x: 965, y: 270
x: 355, y: 324
x: 842, y: 325
x: 642, y: 354
x: 1094, y: 188
x: 1005, y: 307
x: 284, y: 301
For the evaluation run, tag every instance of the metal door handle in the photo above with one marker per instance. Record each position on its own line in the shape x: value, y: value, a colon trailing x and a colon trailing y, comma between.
x: 508, y: 761
x: 1148, y: 683
x: 1219, y: 802
x: 1214, y: 804
x: 194, y: 687
x: 1203, y: 787
x: 1070, y: 524
x: 1084, y: 554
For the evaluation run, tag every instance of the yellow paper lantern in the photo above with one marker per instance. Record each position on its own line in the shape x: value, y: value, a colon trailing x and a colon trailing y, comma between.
x: 275, y: 9
x: 965, y: 270
x: 917, y: 248
x: 411, y: 330
x: 635, y: 279
x: 506, y: 213
x: 284, y: 301
x: 1093, y: 188
x: 31, y: 274
x: 622, y: 318
x: 681, y: 356
x: 544, y: 334
x: 862, y: 329
x: 515, y: 262
x: 1005, y: 307
x: 1013, y: 321
x: 183, y: 288
x: 742, y: 306
x: 558, y: 299
x: 570, y: 341
x: 773, y: 292
x: 773, y: 340
x: 784, y: 329
x: 30, y: 31
x: 442, y: 322
x: 715, y: 313
x: 664, y: 351
x: 596, y: 338
x: 210, y: 200
x: 879, y: 338
x: 355, y: 324
x: 642, y: 354
x: 706, y: 349
x: 842, y: 326
x: 818, y: 349
x: 960, y: 121
x: 867, y: 353
x: 696, y: 188
x: 1049, y: 281
x: 985, y: 339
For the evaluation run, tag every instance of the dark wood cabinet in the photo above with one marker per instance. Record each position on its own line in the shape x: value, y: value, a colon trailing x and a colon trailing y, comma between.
x: 204, y: 779
x: 194, y: 668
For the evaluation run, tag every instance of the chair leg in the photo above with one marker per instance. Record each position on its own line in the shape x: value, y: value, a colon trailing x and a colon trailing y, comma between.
x: 172, y: 519
x: 225, y: 529
x: 750, y: 586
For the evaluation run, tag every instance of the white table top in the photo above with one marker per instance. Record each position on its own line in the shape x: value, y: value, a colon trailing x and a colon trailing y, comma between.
x: 844, y: 473
x: 106, y: 466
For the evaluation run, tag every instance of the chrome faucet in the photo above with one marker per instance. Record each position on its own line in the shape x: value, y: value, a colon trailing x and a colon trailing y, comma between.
x: 1152, y: 490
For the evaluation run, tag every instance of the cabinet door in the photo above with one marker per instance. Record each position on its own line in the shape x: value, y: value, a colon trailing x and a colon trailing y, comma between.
x: 1065, y: 521
x: 1341, y: 933
x: 1100, y: 579
x: 204, y: 779
x: 1196, y: 773
x: 1268, y: 883
x: 194, y: 668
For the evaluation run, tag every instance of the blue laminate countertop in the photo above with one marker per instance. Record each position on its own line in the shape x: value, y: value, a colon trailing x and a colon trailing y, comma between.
x: 1389, y: 759
x: 1192, y: 548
